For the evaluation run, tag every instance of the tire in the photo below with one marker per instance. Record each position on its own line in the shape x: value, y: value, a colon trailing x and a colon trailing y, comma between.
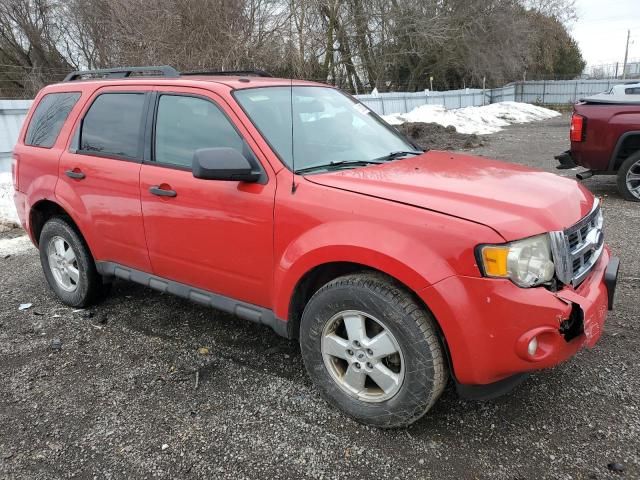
x: 418, y: 367
x: 630, y: 188
x: 81, y: 285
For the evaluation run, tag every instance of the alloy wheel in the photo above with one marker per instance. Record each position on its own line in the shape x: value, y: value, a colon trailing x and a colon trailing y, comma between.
x: 362, y: 356
x: 633, y: 179
x: 63, y: 264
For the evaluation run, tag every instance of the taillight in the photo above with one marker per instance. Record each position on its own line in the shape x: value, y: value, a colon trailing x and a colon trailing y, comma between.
x: 576, y: 132
x: 14, y: 171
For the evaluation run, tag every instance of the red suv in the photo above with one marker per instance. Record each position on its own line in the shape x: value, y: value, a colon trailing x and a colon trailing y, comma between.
x: 290, y: 204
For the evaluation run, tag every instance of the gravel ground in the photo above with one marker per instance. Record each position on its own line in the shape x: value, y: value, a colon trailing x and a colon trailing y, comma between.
x: 119, y: 398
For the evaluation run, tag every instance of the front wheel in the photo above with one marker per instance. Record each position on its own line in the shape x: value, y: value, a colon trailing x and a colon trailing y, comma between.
x: 372, y: 350
x: 629, y: 178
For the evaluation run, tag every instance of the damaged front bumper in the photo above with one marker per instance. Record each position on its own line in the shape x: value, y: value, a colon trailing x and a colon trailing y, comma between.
x: 495, y: 330
x: 590, y: 302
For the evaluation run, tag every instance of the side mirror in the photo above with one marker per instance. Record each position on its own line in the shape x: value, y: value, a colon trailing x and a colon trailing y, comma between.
x: 223, y: 164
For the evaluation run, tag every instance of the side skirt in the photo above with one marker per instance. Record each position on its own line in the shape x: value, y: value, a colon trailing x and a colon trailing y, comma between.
x: 241, y: 309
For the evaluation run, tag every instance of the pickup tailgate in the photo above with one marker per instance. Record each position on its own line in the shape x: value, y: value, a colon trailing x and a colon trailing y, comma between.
x: 607, y: 130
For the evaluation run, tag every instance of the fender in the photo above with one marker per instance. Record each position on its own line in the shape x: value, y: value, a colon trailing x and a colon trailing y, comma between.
x: 393, y: 252
x: 69, y: 212
x: 40, y: 189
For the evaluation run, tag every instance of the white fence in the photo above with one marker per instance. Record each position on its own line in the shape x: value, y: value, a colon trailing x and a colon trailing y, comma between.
x: 400, y: 102
x: 544, y: 92
x: 12, y: 114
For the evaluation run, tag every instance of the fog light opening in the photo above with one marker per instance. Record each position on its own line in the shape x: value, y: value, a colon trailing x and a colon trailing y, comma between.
x: 532, y: 348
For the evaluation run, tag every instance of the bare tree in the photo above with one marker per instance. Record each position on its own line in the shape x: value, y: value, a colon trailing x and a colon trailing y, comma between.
x: 29, y: 36
x: 356, y: 44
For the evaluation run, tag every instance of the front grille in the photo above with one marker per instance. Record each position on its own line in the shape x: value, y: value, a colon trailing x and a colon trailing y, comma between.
x: 577, y: 249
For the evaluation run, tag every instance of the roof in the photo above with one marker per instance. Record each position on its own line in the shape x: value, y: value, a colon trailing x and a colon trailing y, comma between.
x: 628, y: 85
x: 240, y: 82
x: 233, y: 82
x: 613, y: 99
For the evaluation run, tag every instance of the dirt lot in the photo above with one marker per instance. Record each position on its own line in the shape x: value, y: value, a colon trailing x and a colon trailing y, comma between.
x: 119, y: 399
x: 432, y: 136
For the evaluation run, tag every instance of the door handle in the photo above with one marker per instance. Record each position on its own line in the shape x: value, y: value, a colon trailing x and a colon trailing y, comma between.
x: 75, y: 173
x: 161, y: 192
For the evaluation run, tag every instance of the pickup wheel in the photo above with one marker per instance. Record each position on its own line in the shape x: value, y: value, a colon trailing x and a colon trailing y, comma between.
x: 372, y: 350
x: 629, y: 178
x: 68, y: 265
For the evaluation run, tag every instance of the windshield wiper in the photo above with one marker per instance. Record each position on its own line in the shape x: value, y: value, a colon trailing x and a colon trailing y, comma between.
x: 339, y: 164
x: 394, y: 155
x: 358, y: 163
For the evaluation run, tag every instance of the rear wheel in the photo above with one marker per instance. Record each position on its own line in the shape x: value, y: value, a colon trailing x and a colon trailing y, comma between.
x: 629, y: 178
x: 372, y: 350
x: 68, y: 265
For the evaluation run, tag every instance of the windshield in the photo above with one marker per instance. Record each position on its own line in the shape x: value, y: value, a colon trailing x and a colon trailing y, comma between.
x: 328, y: 127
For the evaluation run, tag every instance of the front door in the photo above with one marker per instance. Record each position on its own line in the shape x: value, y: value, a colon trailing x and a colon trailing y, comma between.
x: 211, y: 234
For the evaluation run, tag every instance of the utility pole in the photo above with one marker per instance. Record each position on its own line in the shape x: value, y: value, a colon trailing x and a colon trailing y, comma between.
x: 484, y: 83
x: 626, y: 54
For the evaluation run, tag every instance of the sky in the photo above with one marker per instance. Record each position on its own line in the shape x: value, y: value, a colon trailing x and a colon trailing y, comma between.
x: 601, y: 30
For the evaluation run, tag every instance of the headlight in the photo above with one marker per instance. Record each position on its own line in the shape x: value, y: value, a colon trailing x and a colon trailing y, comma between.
x: 598, y: 221
x: 527, y: 263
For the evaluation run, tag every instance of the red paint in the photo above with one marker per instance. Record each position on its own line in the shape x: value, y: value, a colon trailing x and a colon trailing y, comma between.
x: 106, y: 203
x: 417, y: 219
x: 603, y: 126
x: 489, y: 192
x: 484, y: 320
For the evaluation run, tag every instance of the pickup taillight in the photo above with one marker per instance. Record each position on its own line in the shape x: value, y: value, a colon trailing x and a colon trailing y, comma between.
x: 14, y: 171
x: 577, y: 130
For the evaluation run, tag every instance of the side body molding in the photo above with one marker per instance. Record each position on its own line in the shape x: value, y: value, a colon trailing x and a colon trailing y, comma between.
x: 241, y: 309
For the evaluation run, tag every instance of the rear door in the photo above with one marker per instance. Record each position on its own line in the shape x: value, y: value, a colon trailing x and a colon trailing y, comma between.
x: 212, y: 234
x: 99, y: 175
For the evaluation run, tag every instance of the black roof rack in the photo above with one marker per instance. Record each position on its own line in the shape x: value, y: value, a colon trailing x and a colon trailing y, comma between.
x: 160, y: 71
x: 123, y: 72
x: 240, y: 73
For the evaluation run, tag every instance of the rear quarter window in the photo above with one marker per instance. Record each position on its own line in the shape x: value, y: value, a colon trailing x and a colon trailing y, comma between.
x: 49, y: 117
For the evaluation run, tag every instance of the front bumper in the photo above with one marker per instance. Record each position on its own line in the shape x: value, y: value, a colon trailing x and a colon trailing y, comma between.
x: 488, y: 323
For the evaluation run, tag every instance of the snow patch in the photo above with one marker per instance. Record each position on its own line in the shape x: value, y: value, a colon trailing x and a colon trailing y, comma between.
x: 8, y: 214
x: 13, y: 246
x: 479, y: 120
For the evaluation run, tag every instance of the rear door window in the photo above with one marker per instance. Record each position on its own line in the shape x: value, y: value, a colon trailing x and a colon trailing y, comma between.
x: 186, y: 124
x: 49, y: 117
x: 113, y: 126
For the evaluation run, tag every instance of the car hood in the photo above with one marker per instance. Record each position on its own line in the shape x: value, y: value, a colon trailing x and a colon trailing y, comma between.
x: 515, y: 201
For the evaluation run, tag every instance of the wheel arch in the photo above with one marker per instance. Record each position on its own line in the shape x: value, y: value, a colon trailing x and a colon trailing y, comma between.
x: 310, y: 283
x: 42, y: 211
x: 318, y: 276
x: 628, y: 144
